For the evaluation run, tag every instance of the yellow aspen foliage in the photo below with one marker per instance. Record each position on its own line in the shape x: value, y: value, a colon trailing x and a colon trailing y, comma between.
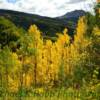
x: 96, y: 31
x: 43, y: 62
x: 80, y: 39
x: 54, y: 62
x: 81, y: 27
x: 48, y: 48
x: 39, y: 71
x: 62, y: 47
x: 80, y: 30
x: 13, y: 84
x: 27, y: 80
x: 39, y: 90
x: 50, y: 56
x: 66, y: 36
x: 33, y: 30
x: 15, y: 62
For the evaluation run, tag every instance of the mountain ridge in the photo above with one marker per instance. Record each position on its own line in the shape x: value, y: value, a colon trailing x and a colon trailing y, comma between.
x: 49, y: 26
x: 75, y: 13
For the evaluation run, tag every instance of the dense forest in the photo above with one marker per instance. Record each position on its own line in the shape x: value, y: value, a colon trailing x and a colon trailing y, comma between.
x: 32, y: 65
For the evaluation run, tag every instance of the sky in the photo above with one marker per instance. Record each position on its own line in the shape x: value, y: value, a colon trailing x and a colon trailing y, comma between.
x: 50, y: 8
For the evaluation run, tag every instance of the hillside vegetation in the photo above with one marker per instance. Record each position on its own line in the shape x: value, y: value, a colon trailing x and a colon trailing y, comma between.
x: 35, y: 68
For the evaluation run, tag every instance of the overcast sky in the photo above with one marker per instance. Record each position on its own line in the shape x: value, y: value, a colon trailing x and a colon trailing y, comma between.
x: 51, y: 8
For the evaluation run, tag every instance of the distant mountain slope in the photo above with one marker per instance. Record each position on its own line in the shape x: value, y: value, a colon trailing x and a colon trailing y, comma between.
x: 49, y: 26
x: 74, y: 14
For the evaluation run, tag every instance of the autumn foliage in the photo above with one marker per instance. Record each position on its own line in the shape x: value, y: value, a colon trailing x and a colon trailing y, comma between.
x: 39, y: 62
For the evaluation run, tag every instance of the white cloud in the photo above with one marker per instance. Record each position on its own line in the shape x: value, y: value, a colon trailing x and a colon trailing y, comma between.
x: 50, y: 8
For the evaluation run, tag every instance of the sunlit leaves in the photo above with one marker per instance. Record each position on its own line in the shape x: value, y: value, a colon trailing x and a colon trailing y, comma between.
x: 43, y: 62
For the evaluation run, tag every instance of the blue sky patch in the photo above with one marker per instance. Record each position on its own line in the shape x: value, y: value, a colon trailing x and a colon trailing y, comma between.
x: 12, y: 1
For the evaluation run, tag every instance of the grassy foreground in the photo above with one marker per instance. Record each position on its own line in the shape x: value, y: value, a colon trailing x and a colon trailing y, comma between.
x: 84, y: 93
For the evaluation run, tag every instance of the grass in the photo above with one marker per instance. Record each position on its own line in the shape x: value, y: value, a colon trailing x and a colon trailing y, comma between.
x: 57, y: 94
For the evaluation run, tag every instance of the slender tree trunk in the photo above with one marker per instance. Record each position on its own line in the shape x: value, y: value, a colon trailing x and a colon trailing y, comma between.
x: 35, y: 66
x: 21, y: 79
x: 35, y: 72
x: 6, y: 74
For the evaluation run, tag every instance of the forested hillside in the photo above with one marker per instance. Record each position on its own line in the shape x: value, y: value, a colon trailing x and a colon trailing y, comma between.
x: 41, y: 68
x: 49, y: 26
